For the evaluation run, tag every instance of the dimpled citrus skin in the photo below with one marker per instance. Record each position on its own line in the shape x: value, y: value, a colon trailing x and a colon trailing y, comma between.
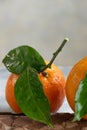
x: 54, y: 87
x: 76, y: 74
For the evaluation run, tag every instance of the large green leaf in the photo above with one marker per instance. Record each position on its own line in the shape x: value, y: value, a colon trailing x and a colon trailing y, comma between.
x: 31, y: 98
x: 81, y: 100
x: 21, y: 57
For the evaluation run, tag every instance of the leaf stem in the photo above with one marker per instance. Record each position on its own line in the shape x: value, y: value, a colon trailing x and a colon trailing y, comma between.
x: 55, y: 54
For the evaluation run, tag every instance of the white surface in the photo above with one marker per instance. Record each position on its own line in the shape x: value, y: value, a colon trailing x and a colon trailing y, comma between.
x: 4, y: 107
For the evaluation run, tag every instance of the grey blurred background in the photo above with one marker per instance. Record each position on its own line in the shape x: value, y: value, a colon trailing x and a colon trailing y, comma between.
x: 43, y: 24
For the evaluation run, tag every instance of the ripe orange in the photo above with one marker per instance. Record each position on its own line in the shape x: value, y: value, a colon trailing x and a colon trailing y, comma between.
x: 9, y: 93
x: 76, y: 74
x: 53, y: 81
x: 54, y: 86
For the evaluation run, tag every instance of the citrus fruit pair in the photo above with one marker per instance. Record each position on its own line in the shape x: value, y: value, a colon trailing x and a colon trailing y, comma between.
x: 53, y: 82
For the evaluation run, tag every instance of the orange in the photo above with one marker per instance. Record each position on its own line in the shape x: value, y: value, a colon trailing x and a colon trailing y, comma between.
x: 54, y: 86
x: 53, y: 82
x: 9, y: 93
x: 76, y: 74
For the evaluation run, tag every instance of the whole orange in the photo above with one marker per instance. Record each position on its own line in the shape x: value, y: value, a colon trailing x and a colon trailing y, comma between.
x: 53, y: 82
x: 76, y: 74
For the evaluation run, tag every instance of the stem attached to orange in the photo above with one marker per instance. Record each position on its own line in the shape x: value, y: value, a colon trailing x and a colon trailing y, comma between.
x: 55, y: 54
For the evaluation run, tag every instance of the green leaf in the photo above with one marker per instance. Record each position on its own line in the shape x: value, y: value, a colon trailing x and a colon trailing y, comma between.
x: 21, y: 57
x: 31, y: 98
x: 81, y: 100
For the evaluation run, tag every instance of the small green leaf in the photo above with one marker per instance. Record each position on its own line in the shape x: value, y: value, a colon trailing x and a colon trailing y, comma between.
x: 81, y: 100
x: 21, y: 57
x: 31, y: 98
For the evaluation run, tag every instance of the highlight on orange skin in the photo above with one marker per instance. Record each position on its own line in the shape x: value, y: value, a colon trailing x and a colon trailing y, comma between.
x: 76, y: 74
